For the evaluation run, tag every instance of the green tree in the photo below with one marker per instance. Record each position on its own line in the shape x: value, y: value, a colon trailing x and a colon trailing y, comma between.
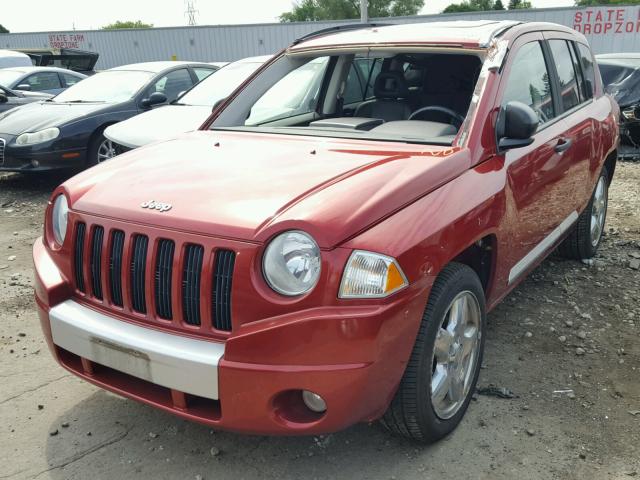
x: 128, y: 24
x: 519, y: 4
x: 3, y: 30
x: 498, y: 5
x: 313, y: 10
x: 472, y: 6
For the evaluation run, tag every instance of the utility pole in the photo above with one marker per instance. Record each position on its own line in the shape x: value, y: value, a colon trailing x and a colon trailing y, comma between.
x: 364, y: 11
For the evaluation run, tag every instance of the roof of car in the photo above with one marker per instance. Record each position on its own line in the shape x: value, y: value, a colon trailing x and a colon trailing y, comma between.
x: 472, y: 34
x: 157, y: 67
x: 33, y: 69
x: 258, y: 59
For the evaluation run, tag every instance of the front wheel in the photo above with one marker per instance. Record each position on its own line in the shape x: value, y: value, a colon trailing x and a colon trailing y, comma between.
x: 584, y: 240
x: 441, y: 375
x: 100, y: 150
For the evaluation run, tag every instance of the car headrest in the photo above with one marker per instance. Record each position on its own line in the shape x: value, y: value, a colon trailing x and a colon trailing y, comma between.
x: 391, y: 85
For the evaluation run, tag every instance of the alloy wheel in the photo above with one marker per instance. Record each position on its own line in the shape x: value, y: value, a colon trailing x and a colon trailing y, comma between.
x: 455, y: 355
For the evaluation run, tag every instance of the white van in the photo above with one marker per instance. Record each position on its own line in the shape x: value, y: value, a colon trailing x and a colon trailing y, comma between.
x: 9, y: 58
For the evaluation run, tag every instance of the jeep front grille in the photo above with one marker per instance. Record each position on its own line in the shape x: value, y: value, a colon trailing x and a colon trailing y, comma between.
x: 164, y: 280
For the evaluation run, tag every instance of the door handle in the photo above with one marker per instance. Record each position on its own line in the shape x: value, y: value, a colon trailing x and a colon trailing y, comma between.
x: 563, y: 144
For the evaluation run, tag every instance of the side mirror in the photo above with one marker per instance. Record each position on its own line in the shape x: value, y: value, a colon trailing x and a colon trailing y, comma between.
x: 25, y: 87
x: 154, y: 99
x: 517, y: 123
x: 218, y: 103
x: 3, y: 98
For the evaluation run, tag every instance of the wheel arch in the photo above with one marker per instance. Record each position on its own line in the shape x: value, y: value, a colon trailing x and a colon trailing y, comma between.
x: 610, y: 163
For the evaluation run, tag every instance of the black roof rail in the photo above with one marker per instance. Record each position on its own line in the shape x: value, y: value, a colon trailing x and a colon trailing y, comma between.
x: 339, y: 28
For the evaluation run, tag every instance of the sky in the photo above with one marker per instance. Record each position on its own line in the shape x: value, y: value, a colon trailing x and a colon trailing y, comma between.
x: 93, y: 14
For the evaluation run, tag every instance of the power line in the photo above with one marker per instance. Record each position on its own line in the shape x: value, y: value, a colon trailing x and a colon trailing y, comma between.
x: 191, y: 12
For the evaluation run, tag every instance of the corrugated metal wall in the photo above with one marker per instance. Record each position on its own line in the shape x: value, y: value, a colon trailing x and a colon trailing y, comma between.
x: 608, y: 29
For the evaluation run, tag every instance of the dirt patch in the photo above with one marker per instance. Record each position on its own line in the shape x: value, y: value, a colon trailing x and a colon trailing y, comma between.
x: 565, y: 343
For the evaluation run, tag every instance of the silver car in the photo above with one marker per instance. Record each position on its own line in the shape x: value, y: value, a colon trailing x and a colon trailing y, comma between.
x: 49, y: 80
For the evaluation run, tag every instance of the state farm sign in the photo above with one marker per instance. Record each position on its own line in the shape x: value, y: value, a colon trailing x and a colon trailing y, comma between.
x: 66, y: 40
x: 606, y: 21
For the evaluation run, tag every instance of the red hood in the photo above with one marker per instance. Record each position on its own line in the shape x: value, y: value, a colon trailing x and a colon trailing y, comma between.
x: 251, y: 186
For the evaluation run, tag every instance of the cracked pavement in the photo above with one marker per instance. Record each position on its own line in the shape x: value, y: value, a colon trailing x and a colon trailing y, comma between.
x: 55, y: 426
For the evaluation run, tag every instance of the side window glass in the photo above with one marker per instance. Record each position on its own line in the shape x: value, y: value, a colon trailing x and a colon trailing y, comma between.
x: 569, y: 92
x: 586, y: 61
x: 529, y: 82
x: 202, y: 73
x: 43, y: 81
x: 70, y: 79
x: 173, y: 83
x: 354, y: 86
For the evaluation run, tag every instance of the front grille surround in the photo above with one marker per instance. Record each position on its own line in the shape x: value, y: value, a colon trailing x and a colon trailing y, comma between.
x: 155, y: 277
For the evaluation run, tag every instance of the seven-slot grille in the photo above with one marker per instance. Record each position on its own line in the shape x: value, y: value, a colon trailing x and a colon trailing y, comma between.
x: 163, y: 279
x: 2, y: 144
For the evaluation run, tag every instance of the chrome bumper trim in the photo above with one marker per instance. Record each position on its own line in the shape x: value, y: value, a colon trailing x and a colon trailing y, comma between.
x: 172, y: 361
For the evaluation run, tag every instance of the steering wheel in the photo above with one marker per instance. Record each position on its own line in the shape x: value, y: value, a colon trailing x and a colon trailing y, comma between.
x: 455, y: 117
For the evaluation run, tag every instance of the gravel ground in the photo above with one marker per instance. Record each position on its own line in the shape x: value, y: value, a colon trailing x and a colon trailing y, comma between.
x: 565, y: 343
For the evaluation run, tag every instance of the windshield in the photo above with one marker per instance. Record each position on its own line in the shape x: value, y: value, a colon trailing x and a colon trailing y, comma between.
x: 219, y: 85
x: 392, y: 95
x: 8, y: 77
x: 112, y: 86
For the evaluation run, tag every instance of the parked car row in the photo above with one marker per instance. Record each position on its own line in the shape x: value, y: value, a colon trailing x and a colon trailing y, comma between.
x: 67, y: 130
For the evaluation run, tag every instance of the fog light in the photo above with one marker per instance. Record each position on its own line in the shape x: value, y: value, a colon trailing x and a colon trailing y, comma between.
x: 313, y: 401
x: 35, y: 163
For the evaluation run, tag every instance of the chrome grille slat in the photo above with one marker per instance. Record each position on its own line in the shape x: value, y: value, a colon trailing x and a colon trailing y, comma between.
x: 222, y: 278
x: 79, y: 257
x: 115, y: 266
x: 96, y: 262
x: 191, y: 275
x: 138, y: 265
x: 163, y: 275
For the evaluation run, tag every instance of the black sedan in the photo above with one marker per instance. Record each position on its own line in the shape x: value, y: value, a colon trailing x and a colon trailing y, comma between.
x: 11, y: 98
x: 621, y: 77
x: 66, y: 131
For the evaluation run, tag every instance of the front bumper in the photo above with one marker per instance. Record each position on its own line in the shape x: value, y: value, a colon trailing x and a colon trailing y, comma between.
x: 38, y: 158
x: 150, y: 355
x: 252, y: 381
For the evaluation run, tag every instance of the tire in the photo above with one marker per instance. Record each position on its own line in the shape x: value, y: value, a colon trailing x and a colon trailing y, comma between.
x: 100, y: 149
x: 414, y: 412
x: 584, y: 240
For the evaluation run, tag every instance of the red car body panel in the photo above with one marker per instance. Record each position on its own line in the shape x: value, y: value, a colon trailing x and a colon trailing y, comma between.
x: 424, y: 205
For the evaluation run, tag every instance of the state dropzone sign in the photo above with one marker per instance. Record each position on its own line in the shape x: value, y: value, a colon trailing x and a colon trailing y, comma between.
x: 605, y: 21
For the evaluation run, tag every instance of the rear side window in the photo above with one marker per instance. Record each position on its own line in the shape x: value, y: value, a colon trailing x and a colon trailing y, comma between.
x: 43, y: 81
x: 529, y: 83
x: 588, y: 72
x: 70, y: 79
x: 569, y: 91
x: 173, y: 83
x: 202, y: 73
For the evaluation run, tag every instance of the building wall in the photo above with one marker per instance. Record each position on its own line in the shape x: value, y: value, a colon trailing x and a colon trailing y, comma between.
x: 608, y: 28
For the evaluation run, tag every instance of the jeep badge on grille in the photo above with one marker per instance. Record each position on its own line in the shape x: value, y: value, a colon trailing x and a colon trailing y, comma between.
x: 153, y: 205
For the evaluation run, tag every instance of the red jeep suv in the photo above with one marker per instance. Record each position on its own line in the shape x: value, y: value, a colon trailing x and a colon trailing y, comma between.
x: 325, y: 249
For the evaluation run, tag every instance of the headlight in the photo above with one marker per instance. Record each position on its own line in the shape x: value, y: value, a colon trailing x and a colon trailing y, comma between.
x: 371, y: 275
x: 38, y: 137
x: 291, y: 263
x: 59, y: 219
